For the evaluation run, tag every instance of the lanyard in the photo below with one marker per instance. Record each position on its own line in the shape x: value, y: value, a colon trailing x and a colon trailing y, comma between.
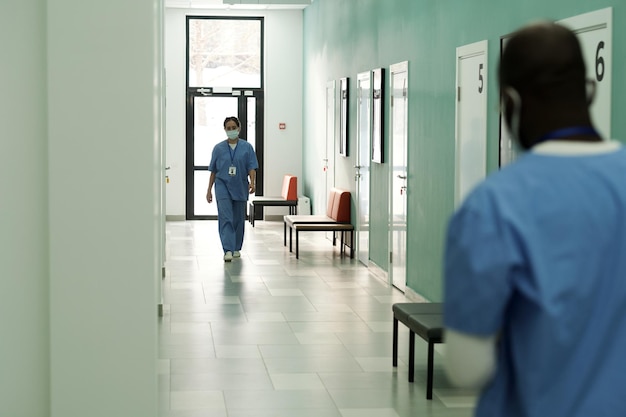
x: 568, y: 131
x: 232, y: 153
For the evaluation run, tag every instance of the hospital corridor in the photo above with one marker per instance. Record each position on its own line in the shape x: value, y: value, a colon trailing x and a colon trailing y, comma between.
x: 271, y: 336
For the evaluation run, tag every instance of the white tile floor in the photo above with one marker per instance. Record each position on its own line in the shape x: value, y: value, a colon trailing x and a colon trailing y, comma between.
x: 271, y: 336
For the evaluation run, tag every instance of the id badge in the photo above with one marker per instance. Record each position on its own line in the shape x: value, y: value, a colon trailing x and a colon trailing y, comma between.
x: 232, y: 171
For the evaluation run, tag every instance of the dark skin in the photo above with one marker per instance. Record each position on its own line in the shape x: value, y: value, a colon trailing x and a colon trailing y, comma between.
x: 544, y: 64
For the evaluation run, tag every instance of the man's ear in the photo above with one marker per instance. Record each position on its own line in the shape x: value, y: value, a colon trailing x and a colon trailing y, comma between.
x: 591, y: 90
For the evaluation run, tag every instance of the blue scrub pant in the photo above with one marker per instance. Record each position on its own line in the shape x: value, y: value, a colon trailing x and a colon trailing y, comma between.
x: 231, y: 220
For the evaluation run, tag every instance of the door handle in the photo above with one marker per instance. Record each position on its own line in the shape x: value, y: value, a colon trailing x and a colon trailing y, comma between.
x: 402, y: 177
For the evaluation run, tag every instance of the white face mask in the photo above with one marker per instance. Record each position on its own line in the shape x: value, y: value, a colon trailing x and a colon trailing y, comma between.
x: 232, y: 134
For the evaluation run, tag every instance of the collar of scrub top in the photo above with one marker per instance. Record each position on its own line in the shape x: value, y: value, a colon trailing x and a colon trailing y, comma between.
x: 567, y: 132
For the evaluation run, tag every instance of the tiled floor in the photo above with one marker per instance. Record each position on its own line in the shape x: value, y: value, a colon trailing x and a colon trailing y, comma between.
x: 271, y: 336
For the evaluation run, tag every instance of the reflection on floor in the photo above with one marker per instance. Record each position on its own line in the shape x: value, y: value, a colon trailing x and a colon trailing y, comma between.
x: 271, y: 336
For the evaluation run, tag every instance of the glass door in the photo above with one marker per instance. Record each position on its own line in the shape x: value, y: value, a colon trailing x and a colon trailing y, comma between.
x: 224, y: 79
x: 208, y: 130
x: 205, y: 129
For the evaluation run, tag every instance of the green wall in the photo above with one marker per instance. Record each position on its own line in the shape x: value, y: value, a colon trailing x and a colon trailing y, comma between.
x: 345, y: 37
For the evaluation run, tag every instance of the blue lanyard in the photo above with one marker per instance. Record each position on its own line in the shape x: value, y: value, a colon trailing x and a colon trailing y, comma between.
x: 568, y: 131
x: 232, y: 153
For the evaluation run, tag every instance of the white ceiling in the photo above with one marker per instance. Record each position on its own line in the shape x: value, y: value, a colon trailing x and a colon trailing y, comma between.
x: 239, y: 4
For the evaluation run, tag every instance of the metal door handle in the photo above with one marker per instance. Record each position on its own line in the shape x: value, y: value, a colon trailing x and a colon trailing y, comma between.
x: 402, y: 177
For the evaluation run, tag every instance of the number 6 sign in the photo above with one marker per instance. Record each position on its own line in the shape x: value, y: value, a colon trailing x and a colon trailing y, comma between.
x: 594, y: 32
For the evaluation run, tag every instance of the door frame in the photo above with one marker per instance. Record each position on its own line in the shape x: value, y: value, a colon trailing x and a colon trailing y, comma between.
x: 242, y: 110
x: 398, y: 282
x: 361, y: 160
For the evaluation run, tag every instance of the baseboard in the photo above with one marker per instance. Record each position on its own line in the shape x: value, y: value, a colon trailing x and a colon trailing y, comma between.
x: 378, y: 272
x: 383, y: 275
x: 413, y: 296
x: 274, y: 217
x: 175, y: 218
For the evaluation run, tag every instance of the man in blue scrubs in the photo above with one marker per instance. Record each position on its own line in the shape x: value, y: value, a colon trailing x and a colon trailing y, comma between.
x: 535, y: 258
x: 233, y: 161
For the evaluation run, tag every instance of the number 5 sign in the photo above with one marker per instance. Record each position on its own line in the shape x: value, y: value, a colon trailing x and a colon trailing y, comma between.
x: 594, y: 32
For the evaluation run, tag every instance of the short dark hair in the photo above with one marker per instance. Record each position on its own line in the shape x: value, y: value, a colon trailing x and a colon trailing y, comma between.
x: 544, y: 59
x: 232, y: 119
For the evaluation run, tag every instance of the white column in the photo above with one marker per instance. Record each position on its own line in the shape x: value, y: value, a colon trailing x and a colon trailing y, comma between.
x: 24, y: 328
x: 104, y: 185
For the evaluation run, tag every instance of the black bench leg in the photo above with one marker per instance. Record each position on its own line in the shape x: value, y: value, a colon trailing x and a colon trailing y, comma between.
x: 342, y: 251
x: 411, y: 356
x: 297, y: 244
x: 284, y: 233
x: 290, y: 240
x: 394, y: 354
x: 253, y: 215
x: 351, y: 244
x: 429, y: 381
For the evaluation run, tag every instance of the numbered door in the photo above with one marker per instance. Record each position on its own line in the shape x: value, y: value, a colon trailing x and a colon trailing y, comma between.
x: 398, y: 125
x: 471, y: 118
x: 362, y: 167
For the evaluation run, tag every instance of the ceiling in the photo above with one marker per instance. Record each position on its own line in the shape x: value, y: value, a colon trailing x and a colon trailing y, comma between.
x: 239, y: 4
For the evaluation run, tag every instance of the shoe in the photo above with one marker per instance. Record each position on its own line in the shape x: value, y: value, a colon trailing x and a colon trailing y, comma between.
x: 236, y: 254
x: 228, y: 256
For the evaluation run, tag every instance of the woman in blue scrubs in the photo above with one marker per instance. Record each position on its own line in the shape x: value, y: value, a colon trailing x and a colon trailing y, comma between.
x: 233, y: 172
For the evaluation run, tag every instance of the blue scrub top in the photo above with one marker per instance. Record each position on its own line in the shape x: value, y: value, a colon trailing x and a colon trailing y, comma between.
x: 537, y: 252
x: 243, y: 158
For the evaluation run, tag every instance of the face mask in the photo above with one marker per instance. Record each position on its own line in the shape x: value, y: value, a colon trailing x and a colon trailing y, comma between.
x: 232, y: 134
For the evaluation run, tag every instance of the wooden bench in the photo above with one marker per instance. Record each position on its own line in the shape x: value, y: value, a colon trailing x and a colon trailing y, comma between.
x: 425, y: 320
x: 337, y: 219
x: 288, y: 198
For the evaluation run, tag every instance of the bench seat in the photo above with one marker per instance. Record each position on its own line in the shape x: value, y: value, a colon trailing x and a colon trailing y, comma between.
x: 336, y: 219
x: 425, y: 320
x: 288, y: 198
x: 324, y: 227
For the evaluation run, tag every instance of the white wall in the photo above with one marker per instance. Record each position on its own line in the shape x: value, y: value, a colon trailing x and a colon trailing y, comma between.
x: 24, y: 329
x: 80, y: 180
x: 283, y: 99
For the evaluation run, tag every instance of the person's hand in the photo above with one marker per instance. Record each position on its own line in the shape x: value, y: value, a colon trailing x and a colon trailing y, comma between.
x: 251, y: 188
x: 209, y: 197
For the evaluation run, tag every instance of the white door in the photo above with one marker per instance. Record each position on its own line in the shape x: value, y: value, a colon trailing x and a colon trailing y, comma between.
x: 398, y: 126
x: 471, y: 118
x: 329, y: 157
x: 362, y: 167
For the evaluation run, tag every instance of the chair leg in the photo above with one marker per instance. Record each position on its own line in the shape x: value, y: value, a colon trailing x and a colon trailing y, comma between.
x: 284, y: 233
x: 395, y: 343
x: 411, y: 356
x: 429, y: 381
x: 290, y: 239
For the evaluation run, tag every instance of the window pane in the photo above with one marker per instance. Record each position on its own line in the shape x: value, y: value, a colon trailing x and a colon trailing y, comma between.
x: 209, y: 116
x: 252, y: 122
x: 200, y: 184
x: 225, y: 53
